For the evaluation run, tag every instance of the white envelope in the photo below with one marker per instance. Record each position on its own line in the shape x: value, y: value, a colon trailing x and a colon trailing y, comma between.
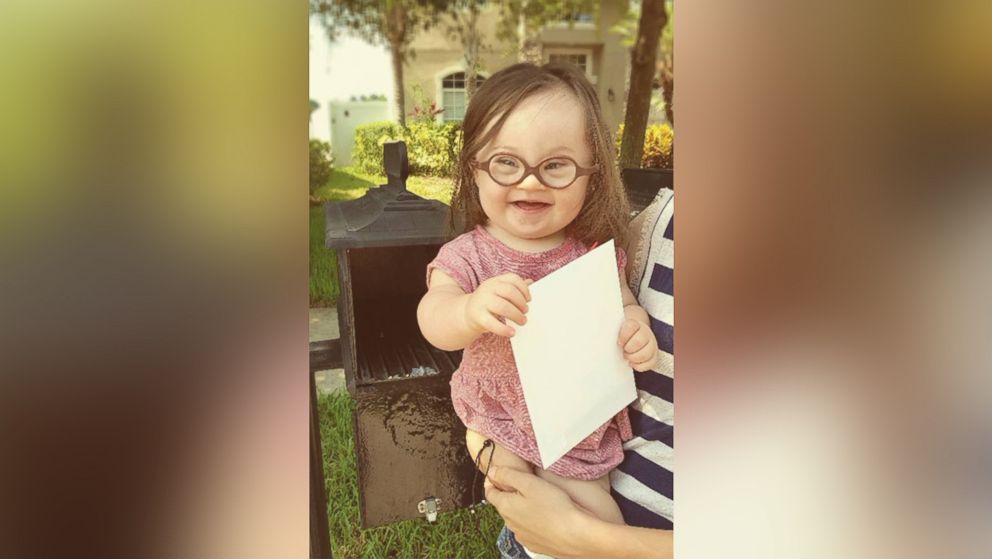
x: 573, y: 372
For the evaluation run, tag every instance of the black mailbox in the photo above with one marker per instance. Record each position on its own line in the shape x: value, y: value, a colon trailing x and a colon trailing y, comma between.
x: 642, y: 185
x: 409, y: 443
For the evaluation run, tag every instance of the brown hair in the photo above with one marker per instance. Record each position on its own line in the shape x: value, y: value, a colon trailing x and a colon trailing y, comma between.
x: 604, y: 212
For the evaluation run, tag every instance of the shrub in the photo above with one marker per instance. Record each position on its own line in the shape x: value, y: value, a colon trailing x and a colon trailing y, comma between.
x: 367, y: 155
x: 658, y: 146
x: 432, y: 147
x: 424, y: 109
x: 321, y: 164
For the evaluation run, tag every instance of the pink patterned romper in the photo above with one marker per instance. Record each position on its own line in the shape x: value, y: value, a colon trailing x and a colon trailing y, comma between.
x: 486, y: 390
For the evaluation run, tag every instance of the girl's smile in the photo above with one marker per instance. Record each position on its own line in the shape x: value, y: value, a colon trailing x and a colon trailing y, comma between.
x: 530, y: 207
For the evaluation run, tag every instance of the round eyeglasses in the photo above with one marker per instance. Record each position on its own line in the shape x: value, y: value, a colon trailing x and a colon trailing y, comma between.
x: 553, y: 172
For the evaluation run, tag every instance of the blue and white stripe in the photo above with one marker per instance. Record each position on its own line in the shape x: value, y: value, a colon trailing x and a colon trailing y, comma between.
x: 643, y: 483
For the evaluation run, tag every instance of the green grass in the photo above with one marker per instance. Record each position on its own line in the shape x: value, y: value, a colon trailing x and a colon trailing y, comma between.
x: 455, y: 534
x: 324, y: 287
x: 348, y: 183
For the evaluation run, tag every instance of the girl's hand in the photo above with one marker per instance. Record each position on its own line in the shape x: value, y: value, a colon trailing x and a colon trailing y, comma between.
x: 640, y: 348
x: 500, y: 297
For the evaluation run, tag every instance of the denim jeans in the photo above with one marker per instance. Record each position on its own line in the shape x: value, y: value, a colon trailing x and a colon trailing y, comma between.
x: 509, y: 547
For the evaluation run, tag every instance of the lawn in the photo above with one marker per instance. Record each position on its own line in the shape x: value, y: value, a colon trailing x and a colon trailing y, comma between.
x: 347, y: 183
x: 455, y: 534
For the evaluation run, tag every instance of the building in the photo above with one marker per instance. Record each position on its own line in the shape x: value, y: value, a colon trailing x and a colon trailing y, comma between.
x: 439, y: 67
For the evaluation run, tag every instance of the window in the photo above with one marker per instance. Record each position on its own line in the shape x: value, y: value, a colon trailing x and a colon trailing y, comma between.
x: 571, y: 17
x: 453, y: 96
x: 580, y: 60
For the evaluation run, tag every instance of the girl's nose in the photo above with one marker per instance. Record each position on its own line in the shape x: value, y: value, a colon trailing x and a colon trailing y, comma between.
x: 530, y: 182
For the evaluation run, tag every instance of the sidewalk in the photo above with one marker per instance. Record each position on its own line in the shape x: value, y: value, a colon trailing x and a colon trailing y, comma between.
x: 324, y: 326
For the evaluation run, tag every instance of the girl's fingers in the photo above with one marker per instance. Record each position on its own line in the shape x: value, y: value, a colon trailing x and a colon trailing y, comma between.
x: 506, y: 309
x: 636, y: 343
x: 627, y: 331
x: 645, y: 356
x: 522, y: 287
x: 511, y: 293
x: 492, y: 324
x: 518, y: 282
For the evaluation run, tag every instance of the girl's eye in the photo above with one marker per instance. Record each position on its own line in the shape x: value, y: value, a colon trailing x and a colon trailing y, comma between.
x: 557, y: 165
x: 506, y: 161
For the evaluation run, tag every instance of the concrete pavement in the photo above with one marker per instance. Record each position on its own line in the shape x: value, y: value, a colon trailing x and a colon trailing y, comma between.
x: 324, y: 326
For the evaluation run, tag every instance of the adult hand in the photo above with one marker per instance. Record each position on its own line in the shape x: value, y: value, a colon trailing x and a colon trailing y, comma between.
x: 640, y: 348
x: 540, y: 515
x: 498, y: 297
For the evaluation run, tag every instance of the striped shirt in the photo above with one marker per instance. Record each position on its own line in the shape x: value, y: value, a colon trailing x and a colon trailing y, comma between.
x: 643, y: 483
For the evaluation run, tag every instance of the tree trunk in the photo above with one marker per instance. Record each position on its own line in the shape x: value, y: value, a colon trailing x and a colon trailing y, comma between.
x: 395, y: 31
x: 529, y: 47
x: 642, y: 69
x: 668, y: 87
x: 399, y: 96
x: 471, y: 64
x: 471, y: 42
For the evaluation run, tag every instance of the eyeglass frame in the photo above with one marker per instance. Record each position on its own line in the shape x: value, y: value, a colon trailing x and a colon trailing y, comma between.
x: 535, y: 170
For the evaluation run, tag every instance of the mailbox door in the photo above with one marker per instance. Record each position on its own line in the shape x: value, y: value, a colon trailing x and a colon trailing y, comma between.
x: 410, y: 447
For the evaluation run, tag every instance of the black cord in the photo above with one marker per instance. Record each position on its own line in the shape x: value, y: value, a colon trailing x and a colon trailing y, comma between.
x: 478, y: 463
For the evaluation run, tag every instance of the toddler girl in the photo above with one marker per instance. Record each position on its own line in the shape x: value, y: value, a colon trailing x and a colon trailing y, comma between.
x: 536, y: 188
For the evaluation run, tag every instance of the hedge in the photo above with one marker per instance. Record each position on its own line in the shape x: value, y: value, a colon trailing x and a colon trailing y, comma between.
x: 658, y: 144
x: 321, y: 164
x: 367, y: 155
x: 431, y: 146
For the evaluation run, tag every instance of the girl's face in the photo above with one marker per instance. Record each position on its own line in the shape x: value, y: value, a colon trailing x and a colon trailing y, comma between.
x: 528, y: 215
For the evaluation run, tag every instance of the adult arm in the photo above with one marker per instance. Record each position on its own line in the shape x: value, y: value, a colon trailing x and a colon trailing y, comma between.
x: 544, y: 518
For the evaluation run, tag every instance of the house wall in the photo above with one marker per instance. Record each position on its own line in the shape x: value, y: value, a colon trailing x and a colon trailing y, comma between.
x: 345, y: 116
x: 438, y: 55
x: 610, y: 58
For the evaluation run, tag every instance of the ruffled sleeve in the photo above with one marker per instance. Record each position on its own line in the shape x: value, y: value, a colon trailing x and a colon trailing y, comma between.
x: 457, y: 259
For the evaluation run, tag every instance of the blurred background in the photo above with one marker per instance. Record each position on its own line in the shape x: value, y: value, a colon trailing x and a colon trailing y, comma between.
x: 833, y: 269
